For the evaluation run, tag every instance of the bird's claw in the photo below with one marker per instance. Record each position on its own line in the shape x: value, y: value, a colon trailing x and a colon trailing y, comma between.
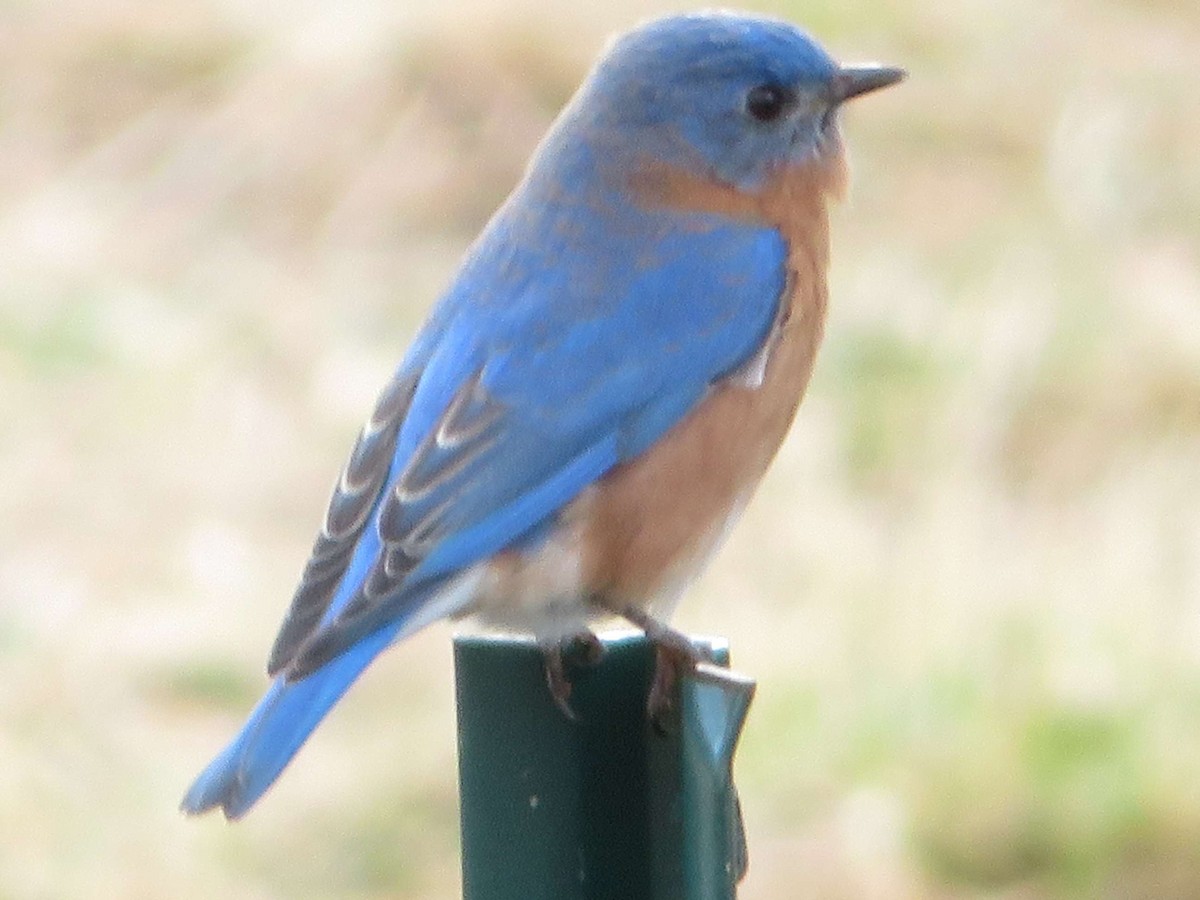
x: 557, y: 681
x: 674, y: 657
x: 583, y: 649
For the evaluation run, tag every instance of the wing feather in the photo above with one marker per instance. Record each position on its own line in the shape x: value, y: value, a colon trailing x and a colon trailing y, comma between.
x: 354, y: 496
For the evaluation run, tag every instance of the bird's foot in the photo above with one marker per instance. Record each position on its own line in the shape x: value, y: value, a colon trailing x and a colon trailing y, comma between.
x: 674, y: 657
x: 583, y: 649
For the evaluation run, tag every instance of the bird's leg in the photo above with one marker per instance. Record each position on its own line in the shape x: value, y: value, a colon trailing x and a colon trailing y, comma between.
x: 674, y: 656
x: 583, y: 648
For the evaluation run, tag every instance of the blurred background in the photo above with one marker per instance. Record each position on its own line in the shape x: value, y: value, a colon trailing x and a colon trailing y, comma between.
x: 970, y: 587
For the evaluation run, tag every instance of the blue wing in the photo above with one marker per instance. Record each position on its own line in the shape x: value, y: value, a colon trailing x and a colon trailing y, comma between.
x: 541, y: 369
x: 526, y: 401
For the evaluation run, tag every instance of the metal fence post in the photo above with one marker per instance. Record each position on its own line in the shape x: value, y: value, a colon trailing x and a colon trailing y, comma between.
x: 606, y: 807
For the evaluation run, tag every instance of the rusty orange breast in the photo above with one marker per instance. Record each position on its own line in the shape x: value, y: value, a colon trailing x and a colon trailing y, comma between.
x: 650, y: 523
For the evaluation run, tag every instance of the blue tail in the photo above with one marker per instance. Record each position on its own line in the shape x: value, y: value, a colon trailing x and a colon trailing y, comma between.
x: 279, y: 725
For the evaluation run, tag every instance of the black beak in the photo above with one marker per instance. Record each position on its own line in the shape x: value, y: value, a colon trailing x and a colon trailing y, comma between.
x: 854, y: 81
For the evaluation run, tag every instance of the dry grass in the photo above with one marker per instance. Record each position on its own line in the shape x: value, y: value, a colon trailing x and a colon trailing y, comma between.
x: 970, y: 587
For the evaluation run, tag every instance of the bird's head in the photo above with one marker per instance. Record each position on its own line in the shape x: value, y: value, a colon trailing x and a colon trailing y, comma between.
x: 725, y: 97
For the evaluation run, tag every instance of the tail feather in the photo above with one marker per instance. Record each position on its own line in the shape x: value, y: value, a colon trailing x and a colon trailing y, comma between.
x: 277, y: 728
x: 290, y: 710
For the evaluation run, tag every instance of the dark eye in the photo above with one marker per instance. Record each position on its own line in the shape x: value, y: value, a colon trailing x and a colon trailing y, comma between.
x: 767, y: 102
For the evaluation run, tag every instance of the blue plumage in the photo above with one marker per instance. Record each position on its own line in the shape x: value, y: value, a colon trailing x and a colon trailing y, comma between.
x: 584, y: 324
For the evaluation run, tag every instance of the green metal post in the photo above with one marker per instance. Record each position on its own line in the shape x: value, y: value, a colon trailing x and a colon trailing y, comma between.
x: 606, y: 807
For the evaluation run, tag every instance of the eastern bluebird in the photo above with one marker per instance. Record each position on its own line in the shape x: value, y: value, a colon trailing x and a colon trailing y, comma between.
x: 596, y: 395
